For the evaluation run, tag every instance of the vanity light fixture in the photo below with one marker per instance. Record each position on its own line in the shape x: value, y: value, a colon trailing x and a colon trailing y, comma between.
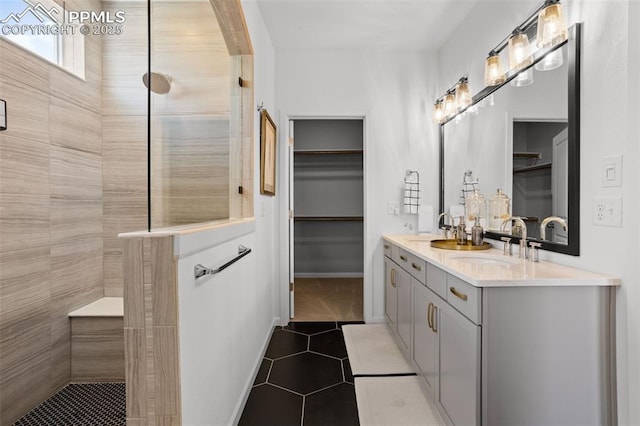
x: 493, y: 70
x: 438, y: 112
x: 552, y: 27
x: 450, y: 105
x: 463, y: 94
x: 519, y: 51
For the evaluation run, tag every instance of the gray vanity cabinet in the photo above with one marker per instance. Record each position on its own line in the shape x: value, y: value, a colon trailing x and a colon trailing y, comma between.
x: 397, y: 308
x: 446, y: 353
x: 425, y: 335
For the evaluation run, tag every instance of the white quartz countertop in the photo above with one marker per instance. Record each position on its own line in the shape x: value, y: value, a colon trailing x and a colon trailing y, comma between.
x: 490, y: 268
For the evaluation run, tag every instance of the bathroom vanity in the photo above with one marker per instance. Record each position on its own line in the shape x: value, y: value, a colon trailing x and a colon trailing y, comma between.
x: 498, y: 340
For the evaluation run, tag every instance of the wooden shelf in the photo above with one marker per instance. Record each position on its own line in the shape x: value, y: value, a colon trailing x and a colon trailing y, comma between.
x: 531, y: 168
x: 329, y: 152
x: 329, y: 218
x: 536, y: 155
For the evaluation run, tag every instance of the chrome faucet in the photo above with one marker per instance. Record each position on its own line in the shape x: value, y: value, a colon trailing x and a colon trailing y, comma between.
x: 444, y: 227
x: 548, y: 220
x: 523, y: 238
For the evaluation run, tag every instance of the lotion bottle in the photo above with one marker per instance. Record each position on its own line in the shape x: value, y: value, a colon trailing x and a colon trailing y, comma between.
x: 476, y: 233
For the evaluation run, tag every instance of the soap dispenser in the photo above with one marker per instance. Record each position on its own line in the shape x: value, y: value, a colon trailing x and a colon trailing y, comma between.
x: 462, y: 232
x: 476, y: 233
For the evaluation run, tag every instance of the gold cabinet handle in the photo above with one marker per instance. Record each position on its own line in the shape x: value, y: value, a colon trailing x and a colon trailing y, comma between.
x: 403, y: 258
x: 458, y: 294
x: 433, y: 318
x: 393, y: 277
x: 386, y: 246
x: 416, y: 267
x: 429, y: 320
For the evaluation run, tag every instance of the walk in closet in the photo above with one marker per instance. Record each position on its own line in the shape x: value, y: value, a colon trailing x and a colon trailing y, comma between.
x: 328, y: 217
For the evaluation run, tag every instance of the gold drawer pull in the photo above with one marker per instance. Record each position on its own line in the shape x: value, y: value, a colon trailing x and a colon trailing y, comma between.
x: 419, y: 268
x: 403, y: 258
x: 458, y: 294
x: 429, y: 320
x: 386, y: 246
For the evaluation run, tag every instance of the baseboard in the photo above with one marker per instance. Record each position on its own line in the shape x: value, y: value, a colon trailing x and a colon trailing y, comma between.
x: 328, y: 275
x: 378, y: 320
x: 237, y: 411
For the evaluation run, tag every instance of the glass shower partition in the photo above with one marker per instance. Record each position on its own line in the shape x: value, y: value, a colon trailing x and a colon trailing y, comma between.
x: 199, y: 93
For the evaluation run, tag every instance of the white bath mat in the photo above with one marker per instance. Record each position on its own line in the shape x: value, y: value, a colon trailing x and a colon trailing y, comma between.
x: 394, y: 401
x: 372, y: 350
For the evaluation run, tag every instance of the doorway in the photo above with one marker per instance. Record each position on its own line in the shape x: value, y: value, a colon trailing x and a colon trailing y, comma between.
x: 326, y: 224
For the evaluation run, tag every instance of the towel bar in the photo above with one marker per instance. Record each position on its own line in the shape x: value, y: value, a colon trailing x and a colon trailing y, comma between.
x: 200, y: 271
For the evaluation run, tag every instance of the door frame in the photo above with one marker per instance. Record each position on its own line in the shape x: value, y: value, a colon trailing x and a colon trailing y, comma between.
x: 283, y: 222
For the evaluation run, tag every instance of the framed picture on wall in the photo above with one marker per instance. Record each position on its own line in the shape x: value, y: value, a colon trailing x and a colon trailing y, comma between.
x: 267, y: 154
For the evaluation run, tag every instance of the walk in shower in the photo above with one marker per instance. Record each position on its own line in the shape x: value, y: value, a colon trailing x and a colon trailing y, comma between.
x: 89, y: 155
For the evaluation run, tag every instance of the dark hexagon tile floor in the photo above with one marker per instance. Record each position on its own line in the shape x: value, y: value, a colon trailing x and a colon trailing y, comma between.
x: 305, y: 362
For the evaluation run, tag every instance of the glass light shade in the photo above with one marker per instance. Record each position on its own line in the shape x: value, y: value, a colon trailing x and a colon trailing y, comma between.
x: 525, y: 78
x: 552, y: 27
x: 473, y: 111
x: 450, y: 104
x: 550, y: 62
x: 493, y: 71
x: 463, y: 95
x: 438, y: 112
x: 519, y: 52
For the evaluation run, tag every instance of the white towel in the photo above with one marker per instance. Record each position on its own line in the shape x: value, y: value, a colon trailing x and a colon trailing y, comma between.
x: 411, y: 197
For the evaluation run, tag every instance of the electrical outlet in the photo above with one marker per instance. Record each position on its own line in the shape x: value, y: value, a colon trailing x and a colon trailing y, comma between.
x: 607, y: 211
x: 393, y: 207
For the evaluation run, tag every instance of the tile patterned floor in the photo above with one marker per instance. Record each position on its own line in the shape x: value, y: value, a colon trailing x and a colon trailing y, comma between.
x: 304, y: 380
x: 81, y: 404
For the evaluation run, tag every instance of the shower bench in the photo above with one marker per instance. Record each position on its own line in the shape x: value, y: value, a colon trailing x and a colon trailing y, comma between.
x: 97, y: 341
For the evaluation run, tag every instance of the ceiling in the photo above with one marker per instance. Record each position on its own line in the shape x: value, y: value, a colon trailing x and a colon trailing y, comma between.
x: 362, y: 24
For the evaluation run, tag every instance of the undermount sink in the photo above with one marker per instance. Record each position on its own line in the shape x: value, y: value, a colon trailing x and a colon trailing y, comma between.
x: 485, y: 260
x: 453, y: 245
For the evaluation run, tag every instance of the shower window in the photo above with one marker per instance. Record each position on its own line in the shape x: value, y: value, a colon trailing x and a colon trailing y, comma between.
x: 200, y: 115
x: 42, y: 29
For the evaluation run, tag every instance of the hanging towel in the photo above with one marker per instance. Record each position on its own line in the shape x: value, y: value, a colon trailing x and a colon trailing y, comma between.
x: 411, y: 197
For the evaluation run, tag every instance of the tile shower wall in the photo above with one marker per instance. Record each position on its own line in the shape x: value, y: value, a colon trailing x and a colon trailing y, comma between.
x: 191, y: 174
x: 51, y: 202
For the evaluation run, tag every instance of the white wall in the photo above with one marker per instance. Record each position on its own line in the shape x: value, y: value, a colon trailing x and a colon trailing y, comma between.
x: 393, y: 91
x: 226, y: 320
x: 609, y: 125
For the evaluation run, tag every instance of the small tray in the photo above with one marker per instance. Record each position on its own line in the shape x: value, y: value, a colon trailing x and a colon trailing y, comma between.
x: 453, y: 245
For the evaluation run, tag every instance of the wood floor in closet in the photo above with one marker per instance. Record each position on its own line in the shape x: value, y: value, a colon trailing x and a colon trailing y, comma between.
x: 328, y: 299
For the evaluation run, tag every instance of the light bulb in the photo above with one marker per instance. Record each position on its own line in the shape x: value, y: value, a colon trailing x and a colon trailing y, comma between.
x: 450, y: 104
x: 519, y: 51
x: 463, y: 95
x: 438, y: 112
x: 552, y: 27
x: 493, y: 70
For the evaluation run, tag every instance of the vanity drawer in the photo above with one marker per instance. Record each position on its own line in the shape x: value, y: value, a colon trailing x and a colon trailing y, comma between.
x: 410, y: 263
x: 465, y: 298
x: 387, y: 248
x: 437, y: 280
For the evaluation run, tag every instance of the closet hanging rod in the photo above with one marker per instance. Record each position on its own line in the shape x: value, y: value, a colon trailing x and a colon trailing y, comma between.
x: 200, y: 271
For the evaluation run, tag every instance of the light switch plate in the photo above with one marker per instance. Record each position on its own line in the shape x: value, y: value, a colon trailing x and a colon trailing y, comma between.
x: 393, y: 207
x: 612, y: 171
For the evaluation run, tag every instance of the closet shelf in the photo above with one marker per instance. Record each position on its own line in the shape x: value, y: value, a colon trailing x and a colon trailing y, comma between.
x: 535, y: 155
x: 531, y: 168
x: 328, y: 152
x: 329, y: 218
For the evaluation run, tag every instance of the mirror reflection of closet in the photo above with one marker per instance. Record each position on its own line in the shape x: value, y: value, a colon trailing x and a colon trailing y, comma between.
x: 540, y: 174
